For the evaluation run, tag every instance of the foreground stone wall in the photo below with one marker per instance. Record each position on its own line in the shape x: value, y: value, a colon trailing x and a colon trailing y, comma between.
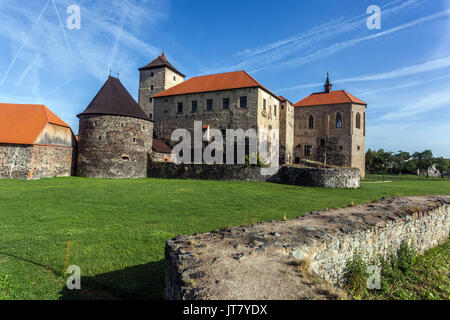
x: 318, y: 177
x: 36, y: 161
x: 168, y: 170
x: 261, y: 261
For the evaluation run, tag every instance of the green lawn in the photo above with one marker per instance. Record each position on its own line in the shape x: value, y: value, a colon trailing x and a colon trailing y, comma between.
x: 117, y: 228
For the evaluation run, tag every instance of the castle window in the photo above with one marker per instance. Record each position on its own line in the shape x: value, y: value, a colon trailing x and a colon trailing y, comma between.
x: 174, y: 78
x: 264, y: 104
x: 151, y: 87
x: 150, y: 100
x: 243, y: 102
x: 99, y: 138
x: 194, y: 106
x: 209, y: 104
x: 226, y: 103
x: 341, y: 148
x: 338, y: 120
x: 322, y: 142
x: 359, y: 148
x: 364, y: 133
x: 358, y: 121
x: 134, y: 140
x: 180, y: 107
x: 151, y: 115
x: 311, y: 122
x: 308, y: 150
x: 125, y: 157
x: 275, y: 110
x: 151, y: 74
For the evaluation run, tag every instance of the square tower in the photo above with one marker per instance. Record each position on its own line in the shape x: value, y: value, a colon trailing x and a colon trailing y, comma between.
x: 157, y: 76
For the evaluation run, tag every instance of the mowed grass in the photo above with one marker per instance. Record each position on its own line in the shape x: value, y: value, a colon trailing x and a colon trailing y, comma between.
x: 117, y: 228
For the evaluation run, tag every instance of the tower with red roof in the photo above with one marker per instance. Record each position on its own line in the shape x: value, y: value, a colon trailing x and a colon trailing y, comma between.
x: 330, y: 127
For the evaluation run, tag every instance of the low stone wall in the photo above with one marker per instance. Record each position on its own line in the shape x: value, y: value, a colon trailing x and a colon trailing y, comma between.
x: 261, y: 261
x: 205, y: 172
x: 318, y: 177
x: 36, y: 161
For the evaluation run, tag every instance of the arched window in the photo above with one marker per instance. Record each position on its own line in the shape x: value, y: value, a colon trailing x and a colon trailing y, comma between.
x: 311, y: 122
x: 358, y: 121
x: 338, y: 120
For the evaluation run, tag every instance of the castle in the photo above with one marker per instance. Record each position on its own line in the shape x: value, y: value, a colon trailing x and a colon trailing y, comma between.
x: 116, y: 134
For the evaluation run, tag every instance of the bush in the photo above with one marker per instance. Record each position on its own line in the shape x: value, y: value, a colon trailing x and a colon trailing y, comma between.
x: 355, y: 277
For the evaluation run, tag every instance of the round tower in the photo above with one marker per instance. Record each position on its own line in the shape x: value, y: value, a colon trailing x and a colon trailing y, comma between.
x: 115, y: 135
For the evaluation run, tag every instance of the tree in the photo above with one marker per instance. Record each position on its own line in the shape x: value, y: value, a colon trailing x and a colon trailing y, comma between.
x: 442, y: 165
x: 424, y: 160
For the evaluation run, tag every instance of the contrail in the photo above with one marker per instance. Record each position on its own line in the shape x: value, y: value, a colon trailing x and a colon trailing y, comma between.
x: 23, y: 45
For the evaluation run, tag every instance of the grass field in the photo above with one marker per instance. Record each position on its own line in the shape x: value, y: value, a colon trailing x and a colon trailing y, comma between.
x: 117, y: 228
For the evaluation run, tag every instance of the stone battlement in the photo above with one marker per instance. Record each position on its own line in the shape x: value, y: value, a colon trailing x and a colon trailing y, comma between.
x: 261, y: 261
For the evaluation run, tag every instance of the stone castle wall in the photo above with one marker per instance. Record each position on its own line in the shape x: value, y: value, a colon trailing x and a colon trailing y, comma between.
x: 36, y: 161
x: 113, y: 146
x: 261, y: 261
x: 318, y: 177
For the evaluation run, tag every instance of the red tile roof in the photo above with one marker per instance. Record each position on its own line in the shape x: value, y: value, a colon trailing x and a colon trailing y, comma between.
x: 22, y: 123
x: 283, y: 99
x: 333, y: 97
x: 214, y: 82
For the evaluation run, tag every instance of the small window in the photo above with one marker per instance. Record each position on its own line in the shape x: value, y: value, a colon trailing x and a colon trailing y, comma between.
x: 311, y: 122
x: 264, y: 104
x: 226, y: 103
x: 243, y: 102
x: 359, y: 148
x: 99, y: 138
x: 151, y: 87
x: 174, y: 78
x: 151, y: 74
x: 275, y: 110
x: 180, y: 107
x: 341, y: 148
x: 125, y: 157
x: 95, y: 123
x: 308, y: 150
x: 358, y: 121
x: 150, y: 100
x: 134, y: 140
x: 151, y: 115
x: 322, y: 142
x: 297, y: 160
x: 338, y: 120
x: 194, y: 106
x: 209, y: 104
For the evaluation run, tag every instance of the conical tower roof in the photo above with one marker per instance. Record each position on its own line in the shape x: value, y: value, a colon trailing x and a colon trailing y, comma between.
x: 114, y: 99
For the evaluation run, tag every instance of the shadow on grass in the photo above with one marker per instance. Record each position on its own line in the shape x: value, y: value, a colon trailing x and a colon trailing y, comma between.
x: 142, y: 282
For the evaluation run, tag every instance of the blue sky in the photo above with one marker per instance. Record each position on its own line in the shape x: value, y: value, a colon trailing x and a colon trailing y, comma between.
x: 402, y: 70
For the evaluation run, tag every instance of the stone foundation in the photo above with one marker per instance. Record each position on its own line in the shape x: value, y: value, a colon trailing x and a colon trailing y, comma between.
x: 261, y: 261
x: 167, y: 170
x: 318, y: 177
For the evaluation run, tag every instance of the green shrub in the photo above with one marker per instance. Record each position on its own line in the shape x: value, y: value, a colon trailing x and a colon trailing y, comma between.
x: 355, y: 277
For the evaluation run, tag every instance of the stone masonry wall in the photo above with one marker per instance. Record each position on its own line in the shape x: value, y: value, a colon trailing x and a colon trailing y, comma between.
x: 261, y: 261
x: 113, y: 146
x: 36, y: 161
x: 318, y: 177
x: 167, y: 170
